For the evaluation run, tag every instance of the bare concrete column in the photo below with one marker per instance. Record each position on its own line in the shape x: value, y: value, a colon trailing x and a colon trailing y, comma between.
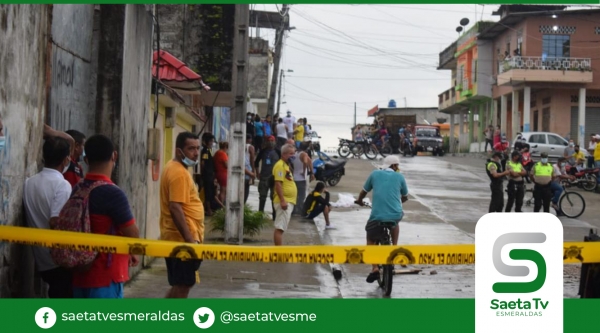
x: 503, y: 118
x: 581, y: 127
x: 516, y: 120
x: 451, y: 136
x: 461, y: 129
x: 494, y: 113
x: 526, y: 109
x: 480, y: 138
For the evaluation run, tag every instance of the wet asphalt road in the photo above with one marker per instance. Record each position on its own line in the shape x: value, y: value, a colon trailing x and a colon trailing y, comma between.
x: 447, y: 198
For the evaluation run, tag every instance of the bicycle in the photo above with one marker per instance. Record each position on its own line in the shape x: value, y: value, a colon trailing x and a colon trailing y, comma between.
x: 567, y: 203
x: 386, y: 271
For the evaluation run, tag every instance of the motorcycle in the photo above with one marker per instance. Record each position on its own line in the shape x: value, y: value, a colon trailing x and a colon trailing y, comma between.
x: 327, y: 170
x: 407, y: 146
x: 585, y: 178
x: 357, y: 148
x: 384, y: 148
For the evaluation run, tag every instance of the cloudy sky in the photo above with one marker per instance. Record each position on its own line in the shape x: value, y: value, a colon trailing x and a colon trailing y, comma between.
x: 368, y: 54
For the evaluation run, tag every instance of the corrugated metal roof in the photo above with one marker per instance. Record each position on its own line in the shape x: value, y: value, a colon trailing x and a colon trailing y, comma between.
x: 172, y: 69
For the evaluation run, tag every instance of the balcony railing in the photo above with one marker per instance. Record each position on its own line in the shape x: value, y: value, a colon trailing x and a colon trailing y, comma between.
x: 546, y: 63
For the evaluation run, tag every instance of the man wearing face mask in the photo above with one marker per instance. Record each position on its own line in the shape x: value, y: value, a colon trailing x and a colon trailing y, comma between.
x: 266, y: 160
x: 569, y: 152
x: 541, y: 175
x: 516, y: 185
x: 207, y: 170
x: 493, y: 169
x: 559, y: 174
x: 110, y: 214
x: 181, y: 213
x: 75, y: 171
x: 44, y: 195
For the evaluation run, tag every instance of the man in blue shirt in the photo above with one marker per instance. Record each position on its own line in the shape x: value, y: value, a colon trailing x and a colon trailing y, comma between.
x: 389, y: 192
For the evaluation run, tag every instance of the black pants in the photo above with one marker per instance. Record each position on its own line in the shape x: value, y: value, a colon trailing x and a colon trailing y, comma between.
x: 528, y: 168
x: 516, y: 192
x: 60, y: 282
x: 488, y: 141
x: 543, y: 196
x: 497, y: 202
x: 208, y: 183
x: 246, y: 189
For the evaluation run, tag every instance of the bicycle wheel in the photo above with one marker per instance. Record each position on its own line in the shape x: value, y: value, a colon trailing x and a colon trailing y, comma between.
x: 388, y: 279
x: 370, y: 152
x: 380, y: 279
x: 572, y: 204
x: 590, y: 182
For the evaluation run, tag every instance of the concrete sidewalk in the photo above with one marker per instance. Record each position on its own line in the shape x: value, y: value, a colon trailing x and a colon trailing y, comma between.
x: 226, y: 279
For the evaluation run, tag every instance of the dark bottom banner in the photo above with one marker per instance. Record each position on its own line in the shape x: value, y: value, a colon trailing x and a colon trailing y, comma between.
x: 235, y: 315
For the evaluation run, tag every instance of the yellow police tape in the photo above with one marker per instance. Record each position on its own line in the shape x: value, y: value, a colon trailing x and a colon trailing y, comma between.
x: 454, y: 254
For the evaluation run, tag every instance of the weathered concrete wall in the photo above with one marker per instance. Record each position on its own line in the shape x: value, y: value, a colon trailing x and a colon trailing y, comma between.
x: 258, y: 75
x: 123, y: 95
x: 23, y: 59
x: 72, y: 95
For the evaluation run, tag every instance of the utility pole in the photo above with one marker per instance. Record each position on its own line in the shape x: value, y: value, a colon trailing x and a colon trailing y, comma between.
x: 278, y: 96
x: 354, y: 115
x: 234, y: 218
x: 277, y: 61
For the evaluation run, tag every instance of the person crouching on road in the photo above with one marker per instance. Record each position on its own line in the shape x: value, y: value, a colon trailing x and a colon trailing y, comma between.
x: 542, y: 177
x: 285, y: 193
x: 316, y: 203
x: 493, y: 168
x: 516, y: 185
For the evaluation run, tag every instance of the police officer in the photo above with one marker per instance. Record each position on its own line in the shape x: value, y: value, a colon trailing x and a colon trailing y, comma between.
x: 493, y: 168
x: 541, y: 174
x: 516, y: 185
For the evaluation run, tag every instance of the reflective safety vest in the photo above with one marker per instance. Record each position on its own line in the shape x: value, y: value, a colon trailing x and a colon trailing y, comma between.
x: 498, y: 169
x: 516, y: 167
x: 543, y: 170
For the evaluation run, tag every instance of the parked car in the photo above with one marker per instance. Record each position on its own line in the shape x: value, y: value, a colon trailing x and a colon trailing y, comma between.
x: 428, y: 139
x: 546, y: 142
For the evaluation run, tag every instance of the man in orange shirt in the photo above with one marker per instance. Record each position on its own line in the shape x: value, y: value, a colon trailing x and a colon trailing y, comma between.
x: 181, y: 213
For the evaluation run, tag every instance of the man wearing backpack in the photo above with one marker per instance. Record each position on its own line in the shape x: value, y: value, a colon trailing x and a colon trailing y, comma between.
x: 44, y: 196
x: 109, y: 214
x: 181, y: 213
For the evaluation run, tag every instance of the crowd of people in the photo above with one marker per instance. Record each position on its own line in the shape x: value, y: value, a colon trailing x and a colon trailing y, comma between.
x: 546, y: 177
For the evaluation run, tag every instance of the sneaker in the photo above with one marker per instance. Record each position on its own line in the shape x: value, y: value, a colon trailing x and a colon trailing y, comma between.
x: 331, y: 226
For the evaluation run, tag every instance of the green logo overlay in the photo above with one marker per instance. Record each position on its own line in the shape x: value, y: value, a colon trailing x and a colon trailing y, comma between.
x: 516, y: 271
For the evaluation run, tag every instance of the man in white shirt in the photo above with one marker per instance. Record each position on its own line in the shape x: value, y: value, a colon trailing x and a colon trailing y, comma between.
x: 591, y: 148
x: 290, y: 122
x: 282, y: 133
x: 44, y: 195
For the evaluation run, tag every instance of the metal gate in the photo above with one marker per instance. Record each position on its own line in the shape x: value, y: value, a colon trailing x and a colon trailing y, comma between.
x: 592, y: 123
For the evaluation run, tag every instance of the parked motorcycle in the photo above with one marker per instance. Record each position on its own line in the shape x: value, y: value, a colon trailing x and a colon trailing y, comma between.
x: 586, y: 178
x: 357, y: 148
x: 328, y: 170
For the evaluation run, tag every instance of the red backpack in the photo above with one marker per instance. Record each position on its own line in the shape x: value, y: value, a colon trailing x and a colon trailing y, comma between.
x: 75, y: 216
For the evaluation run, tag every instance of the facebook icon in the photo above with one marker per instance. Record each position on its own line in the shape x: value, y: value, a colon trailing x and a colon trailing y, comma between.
x: 45, y: 317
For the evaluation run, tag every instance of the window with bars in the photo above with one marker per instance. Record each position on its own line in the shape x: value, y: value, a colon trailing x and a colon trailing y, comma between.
x: 588, y: 99
x: 546, y: 100
x: 556, y: 46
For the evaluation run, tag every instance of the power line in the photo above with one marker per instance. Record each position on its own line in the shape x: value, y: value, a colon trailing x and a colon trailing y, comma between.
x: 310, y: 92
x: 365, y: 78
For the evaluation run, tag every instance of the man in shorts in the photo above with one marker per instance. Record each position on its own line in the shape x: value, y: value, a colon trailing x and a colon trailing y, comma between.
x: 181, y: 213
x: 389, y: 192
x: 285, y: 192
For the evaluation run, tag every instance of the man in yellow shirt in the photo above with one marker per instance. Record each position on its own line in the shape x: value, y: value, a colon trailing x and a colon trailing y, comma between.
x: 285, y: 192
x: 597, y: 151
x: 181, y: 213
x: 299, y: 134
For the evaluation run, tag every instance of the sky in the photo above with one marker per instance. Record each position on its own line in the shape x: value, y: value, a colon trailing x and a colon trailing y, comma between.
x: 368, y: 54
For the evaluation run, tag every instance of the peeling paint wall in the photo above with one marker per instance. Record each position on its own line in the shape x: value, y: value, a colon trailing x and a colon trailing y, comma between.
x: 73, y: 87
x: 23, y: 55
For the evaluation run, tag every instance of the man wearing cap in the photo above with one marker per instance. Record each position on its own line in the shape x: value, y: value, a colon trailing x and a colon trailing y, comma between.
x: 265, y: 161
x: 541, y: 174
x: 516, y: 185
x: 389, y: 192
x: 492, y: 168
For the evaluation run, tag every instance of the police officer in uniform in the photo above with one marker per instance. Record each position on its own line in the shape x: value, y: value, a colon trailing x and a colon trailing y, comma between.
x: 493, y: 168
x: 541, y: 174
x: 516, y: 185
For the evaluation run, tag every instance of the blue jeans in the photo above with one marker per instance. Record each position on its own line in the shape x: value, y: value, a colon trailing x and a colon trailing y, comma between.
x: 114, y: 290
x: 557, y: 190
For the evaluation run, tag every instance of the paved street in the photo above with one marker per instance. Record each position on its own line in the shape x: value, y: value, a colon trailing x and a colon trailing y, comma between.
x: 447, y: 197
